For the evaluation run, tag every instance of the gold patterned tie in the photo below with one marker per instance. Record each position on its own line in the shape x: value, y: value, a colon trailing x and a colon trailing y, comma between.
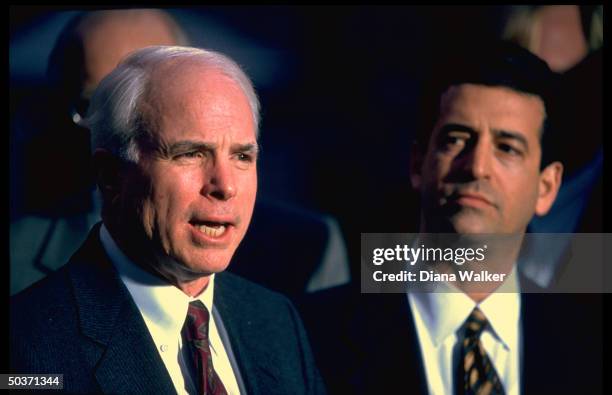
x: 478, y: 375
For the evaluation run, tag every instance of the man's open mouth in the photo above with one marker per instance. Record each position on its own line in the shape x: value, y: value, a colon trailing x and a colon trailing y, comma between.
x: 211, y: 229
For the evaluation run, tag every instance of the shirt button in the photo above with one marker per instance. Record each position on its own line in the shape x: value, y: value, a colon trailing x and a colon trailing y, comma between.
x: 163, y: 347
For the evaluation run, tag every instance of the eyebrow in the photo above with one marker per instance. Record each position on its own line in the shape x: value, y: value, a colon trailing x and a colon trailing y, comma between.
x: 191, y: 145
x: 456, y: 127
x: 188, y: 145
x: 499, y: 133
x: 249, y: 147
x: 506, y: 134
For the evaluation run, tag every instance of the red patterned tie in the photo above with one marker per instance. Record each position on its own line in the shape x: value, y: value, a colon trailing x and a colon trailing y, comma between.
x: 195, y: 334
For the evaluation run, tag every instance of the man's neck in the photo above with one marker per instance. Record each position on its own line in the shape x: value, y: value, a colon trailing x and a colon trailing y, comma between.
x: 154, y: 263
x: 194, y: 288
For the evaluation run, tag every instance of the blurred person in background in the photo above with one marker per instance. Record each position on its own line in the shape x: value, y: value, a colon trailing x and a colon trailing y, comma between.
x: 60, y: 210
x: 569, y: 38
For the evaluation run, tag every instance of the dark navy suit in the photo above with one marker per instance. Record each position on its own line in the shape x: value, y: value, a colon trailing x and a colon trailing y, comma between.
x: 82, y: 322
x: 367, y: 343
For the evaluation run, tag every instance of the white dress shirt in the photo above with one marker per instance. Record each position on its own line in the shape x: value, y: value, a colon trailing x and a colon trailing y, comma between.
x: 438, y: 316
x: 164, y: 309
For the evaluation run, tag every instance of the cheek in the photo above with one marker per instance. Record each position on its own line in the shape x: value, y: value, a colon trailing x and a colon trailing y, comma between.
x: 436, y: 168
x: 245, y: 201
x: 136, y: 202
x: 523, y: 195
x: 525, y: 184
x: 249, y: 193
x: 253, y: 184
x: 172, y: 194
x: 147, y: 217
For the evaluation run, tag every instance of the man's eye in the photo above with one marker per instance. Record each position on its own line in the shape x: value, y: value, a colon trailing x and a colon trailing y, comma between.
x: 454, y: 142
x: 190, y: 155
x: 509, y: 149
x: 243, y: 157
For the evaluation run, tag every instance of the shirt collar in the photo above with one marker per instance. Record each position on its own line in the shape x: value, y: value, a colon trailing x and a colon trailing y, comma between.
x: 502, y: 309
x: 445, y: 311
x: 160, y: 302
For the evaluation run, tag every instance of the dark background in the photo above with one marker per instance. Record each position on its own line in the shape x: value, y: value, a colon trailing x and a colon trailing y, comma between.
x: 338, y: 87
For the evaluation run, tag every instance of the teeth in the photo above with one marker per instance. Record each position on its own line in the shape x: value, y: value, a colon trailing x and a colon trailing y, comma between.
x: 212, y: 231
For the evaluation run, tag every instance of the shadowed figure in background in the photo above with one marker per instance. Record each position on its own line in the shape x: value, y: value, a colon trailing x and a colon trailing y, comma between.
x: 87, y: 49
x: 570, y: 39
x: 54, y: 167
x: 61, y: 209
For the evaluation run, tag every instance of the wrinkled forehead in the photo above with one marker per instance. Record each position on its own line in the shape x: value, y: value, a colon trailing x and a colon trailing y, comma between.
x: 184, y: 90
x: 184, y: 80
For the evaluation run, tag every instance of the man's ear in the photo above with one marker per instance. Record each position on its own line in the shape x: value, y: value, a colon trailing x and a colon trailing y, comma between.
x: 548, y: 186
x: 108, y: 170
x: 416, y: 165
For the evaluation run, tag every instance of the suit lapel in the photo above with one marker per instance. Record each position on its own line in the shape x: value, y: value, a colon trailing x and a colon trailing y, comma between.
x: 393, y: 350
x: 540, y: 370
x: 248, y: 348
x: 562, y: 337
x: 122, y: 349
x: 534, y: 352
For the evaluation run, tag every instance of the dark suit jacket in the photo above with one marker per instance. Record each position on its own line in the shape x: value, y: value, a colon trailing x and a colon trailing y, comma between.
x: 367, y: 343
x: 82, y: 322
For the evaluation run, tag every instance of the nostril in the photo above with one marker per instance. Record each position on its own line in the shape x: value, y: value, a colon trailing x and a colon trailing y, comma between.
x: 218, y: 194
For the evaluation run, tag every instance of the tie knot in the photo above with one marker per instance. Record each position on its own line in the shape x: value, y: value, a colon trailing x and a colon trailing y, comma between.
x: 475, y: 323
x: 197, y: 320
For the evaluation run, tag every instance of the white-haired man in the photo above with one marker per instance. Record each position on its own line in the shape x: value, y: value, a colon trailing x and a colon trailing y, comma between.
x: 54, y: 215
x: 143, y: 307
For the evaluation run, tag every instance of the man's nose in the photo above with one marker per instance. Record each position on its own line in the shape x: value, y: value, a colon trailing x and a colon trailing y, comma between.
x: 220, y: 180
x: 477, y: 161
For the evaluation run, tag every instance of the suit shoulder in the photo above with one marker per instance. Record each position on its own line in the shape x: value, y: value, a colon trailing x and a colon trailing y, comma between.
x: 248, y: 290
x: 42, y: 324
x: 48, y: 301
x: 45, y: 293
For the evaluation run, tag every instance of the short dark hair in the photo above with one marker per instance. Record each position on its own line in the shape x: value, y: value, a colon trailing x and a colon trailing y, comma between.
x: 496, y: 63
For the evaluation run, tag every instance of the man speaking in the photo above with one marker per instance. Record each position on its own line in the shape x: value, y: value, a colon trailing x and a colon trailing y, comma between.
x: 143, y: 305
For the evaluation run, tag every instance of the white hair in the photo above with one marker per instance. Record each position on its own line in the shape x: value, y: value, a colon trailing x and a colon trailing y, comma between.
x: 114, y: 117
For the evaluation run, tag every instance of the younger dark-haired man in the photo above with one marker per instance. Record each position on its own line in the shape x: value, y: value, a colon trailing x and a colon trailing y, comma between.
x: 479, y: 171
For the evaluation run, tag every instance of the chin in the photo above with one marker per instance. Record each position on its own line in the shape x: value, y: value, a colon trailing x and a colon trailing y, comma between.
x: 467, y: 224
x: 206, y: 262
